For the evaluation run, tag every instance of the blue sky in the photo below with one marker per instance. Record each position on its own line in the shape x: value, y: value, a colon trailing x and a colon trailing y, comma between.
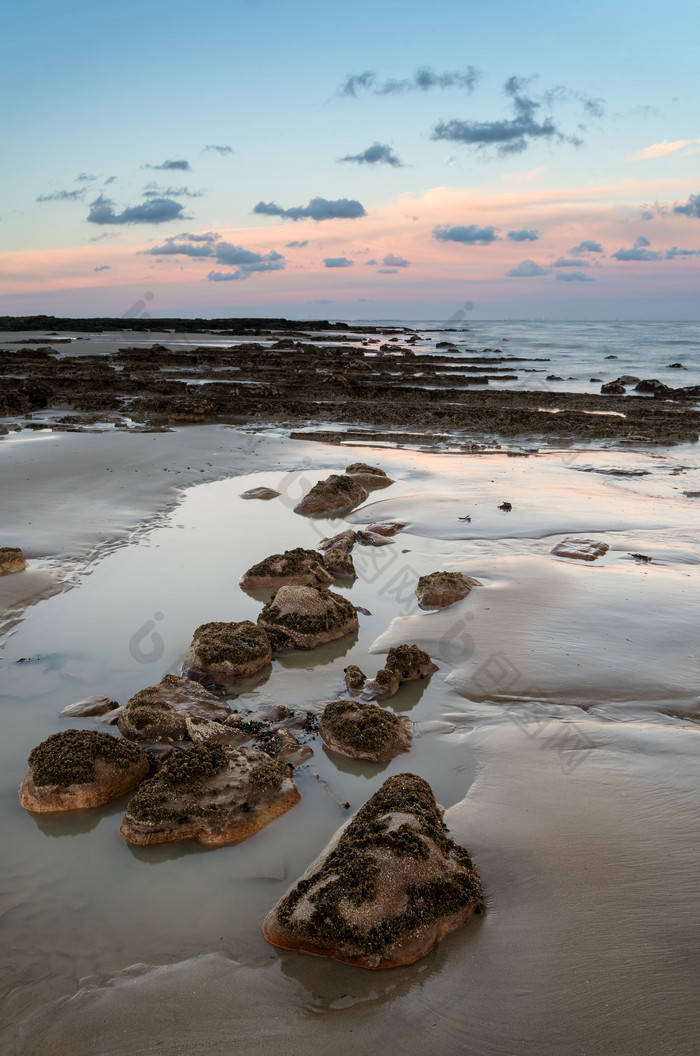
x: 577, y: 123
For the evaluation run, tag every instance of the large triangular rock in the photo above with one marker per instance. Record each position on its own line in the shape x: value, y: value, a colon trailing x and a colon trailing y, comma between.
x: 76, y: 769
x: 212, y: 793
x: 388, y: 887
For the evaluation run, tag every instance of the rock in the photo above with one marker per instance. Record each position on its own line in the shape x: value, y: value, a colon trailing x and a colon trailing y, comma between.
x: 388, y: 887
x: 506, y: 507
x: 675, y: 366
x: 627, y: 379
x: 613, y: 388
x: 77, y: 769
x: 225, y: 652
x: 385, y: 527
x: 333, y: 494
x: 160, y: 712
x: 653, y: 385
x: 354, y: 678
x: 206, y: 731
x: 583, y: 549
x: 192, y: 409
x: 11, y: 560
x: 364, y: 731
x: 344, y: 541
x: 368, y: 538
x: 340, y: 563
x: 404, y: 663
x: 212, y: 793
x: 90, y: 706
x: 280, y: 743
x: 368, y: 476
x: 298, y: 567
x: 305, y: 617
x: 260, y: 493
x: 439, y: 589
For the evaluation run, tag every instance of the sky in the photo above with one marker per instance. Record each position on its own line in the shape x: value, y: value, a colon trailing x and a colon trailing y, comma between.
x: 377, y: 160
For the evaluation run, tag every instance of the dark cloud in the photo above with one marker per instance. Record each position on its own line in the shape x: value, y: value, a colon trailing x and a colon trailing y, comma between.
x: 152, y: 190
x: 568, y: 262
x: 523, y: 235
x: 103, y: 267
x: 171, y: 248
x: 85, y: 177
x: 423, y: 80
x: 204, y: 236
x: 587, y: 246
x: 671, y: 254
x: 296, y: 245
x: 636, y: 253
x: 378, y: 153
x: 471, y: 235
x: 527, y: 269
x: 369, y: 263
x: 245, y: 262
x: 154, y: 211
x: 172, y: 166
x: 337, y: 262
x: 508, y: 136
x: 641, y: 241
x: 219, y: 149
x: 110, y: 179
x: 62, y: 196
x: 317, y: 209
x: 574, y: 276
x: 393, y: 260
x: 387, y: 271
x: 691, y: 207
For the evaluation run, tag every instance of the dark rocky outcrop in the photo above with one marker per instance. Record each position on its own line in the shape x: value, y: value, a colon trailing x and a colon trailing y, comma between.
x: 76, y: 769
x: 340, y: 563
x: 224, y: 652
x: 388, y: 887
x: 214, y: 794
x: 360, y: 730
x: 333, y: 494
x: 304, y: 617
x: 440, y: 589
x: 160, y: 713
x: 298, y: 567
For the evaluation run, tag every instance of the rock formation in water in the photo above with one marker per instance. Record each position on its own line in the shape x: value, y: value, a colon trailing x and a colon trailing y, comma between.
x: 404, y: 663
x: 340, y: 563
x: 440, y: 589
x: 298, y: 567
x: 76, y: 769
x: 304, y: 617
x: 360, y: 730
x: 11, y: 560
x: 388, y: 887
x: 368, y: 476
x: 212, y: 793
x: 333, y: 494
x: 89, y: 706
x: 582, y: 549
x: 225, y: 652
x: 260, y: 493
x: 160, y: 713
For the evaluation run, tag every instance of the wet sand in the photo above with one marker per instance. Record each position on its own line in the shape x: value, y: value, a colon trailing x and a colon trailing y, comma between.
x: 560, y: 732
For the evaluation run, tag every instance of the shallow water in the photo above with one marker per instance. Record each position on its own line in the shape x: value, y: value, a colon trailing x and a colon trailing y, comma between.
x: 573, y: 784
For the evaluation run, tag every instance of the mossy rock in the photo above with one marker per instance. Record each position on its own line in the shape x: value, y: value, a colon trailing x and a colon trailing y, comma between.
x: 304, y: 617
x: 333, y: 494
x: 298, y: 567
x: 360, y: 730
x: 160, y: 713
x: 224, y: 652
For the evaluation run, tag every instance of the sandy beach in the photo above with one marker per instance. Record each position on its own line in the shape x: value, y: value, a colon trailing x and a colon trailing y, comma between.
x: 560, y: 734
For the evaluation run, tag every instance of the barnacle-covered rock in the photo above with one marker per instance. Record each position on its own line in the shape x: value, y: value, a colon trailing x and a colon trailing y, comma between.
x: 225, y: 652
x: 368, y: 476
x: 160, y: 712
x: 388, y: 887
x: 343, y: 541
x: 404, y: 663
x: 76, y: 769
x: 212, y: 793
x: 440, y: 589
x: 364, y: 731
x: 334, y: 493
x: 340, y: 563
x: 11, y: 560
x: 298, y: 567
x: 305, y: 617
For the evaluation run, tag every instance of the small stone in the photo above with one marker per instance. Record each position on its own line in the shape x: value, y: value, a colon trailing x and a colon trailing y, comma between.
x: 387, y: 888
x: 440, y: 589
x: 385, y: 527
x: 368, y: 538
x: 344, y: 541
x: 404, y: 663
x: 224, y: 652
x: 11, y: 560
x: 77, y: 769
x: 581, y: 549
x: 212, y: 793
x: 260, y: 493
x: 364, y: 731
x: 354, y: 678
x: 90, y: 706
